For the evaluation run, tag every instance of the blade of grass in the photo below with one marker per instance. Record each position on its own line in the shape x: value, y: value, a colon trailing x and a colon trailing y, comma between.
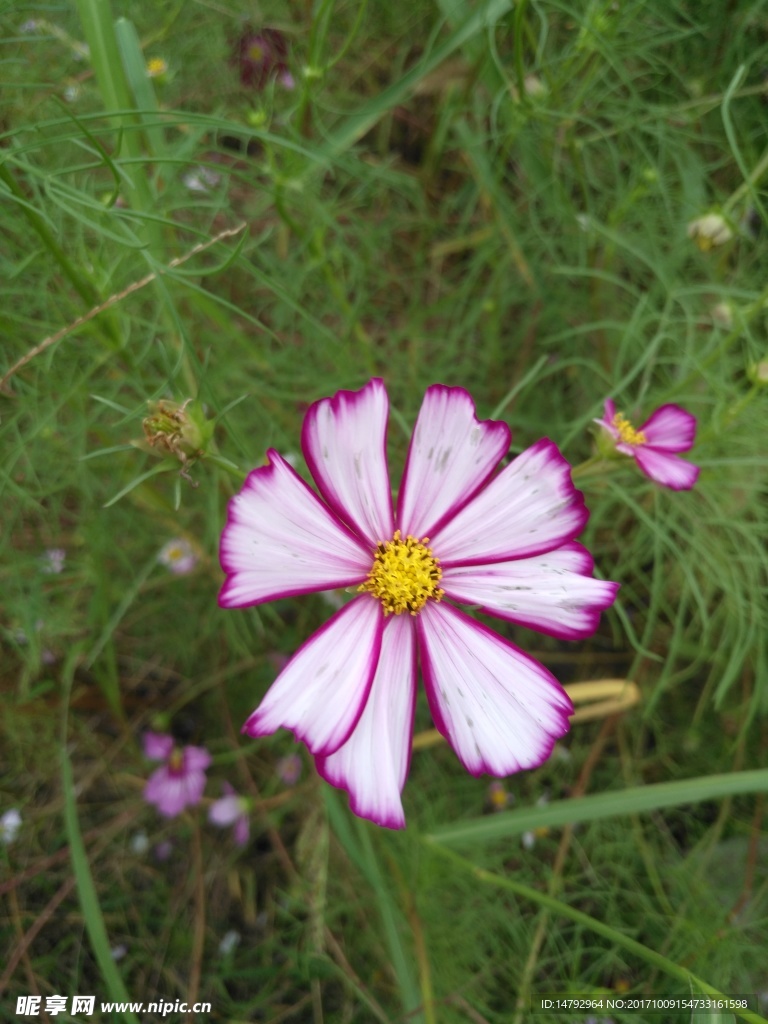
x: 637, y: 800
x: 360, y: 850
x: 86, y: 890
x: 358, y: 123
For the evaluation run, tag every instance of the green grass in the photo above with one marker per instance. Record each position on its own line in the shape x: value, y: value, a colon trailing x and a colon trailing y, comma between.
x: 482, y: 195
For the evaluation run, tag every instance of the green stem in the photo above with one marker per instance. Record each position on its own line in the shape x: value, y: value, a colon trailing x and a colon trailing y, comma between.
x: 597, y: 465
x: 229, y: 467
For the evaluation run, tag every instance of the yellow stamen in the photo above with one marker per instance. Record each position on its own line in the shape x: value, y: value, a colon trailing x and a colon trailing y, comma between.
x: 176, y: 760
x: 627, y: 432
x: 404, y: 576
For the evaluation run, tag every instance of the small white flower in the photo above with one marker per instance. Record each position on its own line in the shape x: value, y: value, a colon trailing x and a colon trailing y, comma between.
x: 139, y: 843
x: 229, y: 942
x: 528, y: 839
x: 178, y: 556
x: 201, y: 179
x: 709, y: 231
x: 118, y: 952
x: 10, y: 823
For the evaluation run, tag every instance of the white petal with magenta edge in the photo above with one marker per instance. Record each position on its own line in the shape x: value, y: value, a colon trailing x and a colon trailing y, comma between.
x: 554, y: 593
x: 531, y: 507
x: 669, y: 470
x: 451, y: 455
x: 281, y: 540
x: 372, y: 766
x: 344, y: 440
x: 321, y: 692
x: 500, y: 710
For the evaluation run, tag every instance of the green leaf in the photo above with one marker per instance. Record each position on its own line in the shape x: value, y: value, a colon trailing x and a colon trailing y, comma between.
x: 637, y: 800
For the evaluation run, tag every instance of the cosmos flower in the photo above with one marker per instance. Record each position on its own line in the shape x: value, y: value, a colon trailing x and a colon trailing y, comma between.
x: 289, y: 769
x: 178, y: 556
x: 461, y: 532
x: 260, y: 55
x: 231, y: 809
x: 655, y: 444
x: 180, y: 781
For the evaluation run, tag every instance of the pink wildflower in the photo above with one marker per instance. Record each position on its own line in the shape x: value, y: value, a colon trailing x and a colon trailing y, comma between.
x: 655, y: 444
x: 261, y: 55
x: 502, y: 541
x: 178, y: 783
x: 231, y: 809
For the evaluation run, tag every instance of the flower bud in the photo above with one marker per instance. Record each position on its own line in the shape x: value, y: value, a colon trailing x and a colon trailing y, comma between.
x: 176, y: 431
x: 758, y: 373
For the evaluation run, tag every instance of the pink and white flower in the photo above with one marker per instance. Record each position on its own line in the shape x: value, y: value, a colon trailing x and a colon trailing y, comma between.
x: 655, y: 444
x: 180, y: 781
x: 461, y: 531
x: 231, y: 809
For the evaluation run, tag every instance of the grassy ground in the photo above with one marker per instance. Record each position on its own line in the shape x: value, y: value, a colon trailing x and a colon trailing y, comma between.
x: 459, y: 192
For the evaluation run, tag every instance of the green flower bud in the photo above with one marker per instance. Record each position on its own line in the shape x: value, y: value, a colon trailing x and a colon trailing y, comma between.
x: 177, y: 431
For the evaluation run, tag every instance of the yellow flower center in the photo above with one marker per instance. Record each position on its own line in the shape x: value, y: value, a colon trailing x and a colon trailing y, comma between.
x: 404, y: 576
x: 627, y: 432
x: 176, y: 761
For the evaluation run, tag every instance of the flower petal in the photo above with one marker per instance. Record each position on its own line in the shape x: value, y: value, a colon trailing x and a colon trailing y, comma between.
x: 281, y: 540
x: 609, y: 412
x: 196, y: 759
x: 157, y: 745
x: 669, y: 470
x: 500, y: 710
x: 321, y: 692
x: 554, y: 593
x: 530, y: 508
x: 344, y: 440
x: 451, y: 455
x: 372, y: 765
x: 670, y: 428
x: 171, y: 793
x: 225, y: 811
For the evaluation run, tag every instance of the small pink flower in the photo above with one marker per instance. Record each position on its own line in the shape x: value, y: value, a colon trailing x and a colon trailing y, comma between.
x: 261, y: 55
x: 466, y: 529
x: 289, y: 769
x: 231, y: 809
x: 178, y: 783
x: 655, y: 444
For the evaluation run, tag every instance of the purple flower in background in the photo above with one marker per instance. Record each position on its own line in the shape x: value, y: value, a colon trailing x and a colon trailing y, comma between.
x: 180, y: 781
x: 289, y: 769
x: 231, y: 809
x: 53, y: 561
x: 654, y: 445
x: 260, y: 55
x: 465, y: 529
